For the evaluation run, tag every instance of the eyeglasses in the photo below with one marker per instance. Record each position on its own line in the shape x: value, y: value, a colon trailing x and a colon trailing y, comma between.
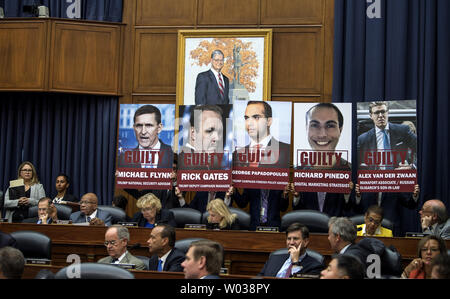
x: 86, y: 202
x: 371, y: 220
x: 218, y: 60
x: 433, y: 249
x: 27, y: 170
x: 380, y: 112
x: 112, y: 242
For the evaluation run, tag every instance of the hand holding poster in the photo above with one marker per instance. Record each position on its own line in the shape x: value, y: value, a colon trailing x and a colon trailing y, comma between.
x: 322, y: 153
x: 145, y: 153
x: 387, y: 146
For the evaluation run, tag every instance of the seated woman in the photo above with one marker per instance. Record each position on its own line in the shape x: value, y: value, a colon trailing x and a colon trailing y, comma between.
x: 151, y: 213
x: 427, y: 249
x: 220, y: 215
x: 17, y: 208
x: 62, y: 185
x: 372, y: 226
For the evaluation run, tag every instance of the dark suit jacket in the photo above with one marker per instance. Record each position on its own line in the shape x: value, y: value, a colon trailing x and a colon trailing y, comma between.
x: 200, y: 200
x: 68, y: 197
x: 401, y: 138
x: 78, y: 217
x: 7, y: 240
x: 207, y: 89
x: 164, y: 216
x: 276, y: 204
x: 275, y: 262
x: 334, y: 204
x: 173, y: 261
x: 165, y: 162
x: 280, y: 151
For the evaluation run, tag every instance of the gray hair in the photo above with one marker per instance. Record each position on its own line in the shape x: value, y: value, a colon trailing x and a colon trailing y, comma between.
x: 217, y: 52
x: 122, y: 232
x: 344, y: 227
x: 441, y: 213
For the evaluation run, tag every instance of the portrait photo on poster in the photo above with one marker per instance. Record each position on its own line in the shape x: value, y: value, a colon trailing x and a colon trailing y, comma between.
x: 322, y: 128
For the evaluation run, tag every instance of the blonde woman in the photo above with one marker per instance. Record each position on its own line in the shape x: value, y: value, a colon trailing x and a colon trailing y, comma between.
x: 220, y: 214
x: 152, y: 213
x: 17, y: 208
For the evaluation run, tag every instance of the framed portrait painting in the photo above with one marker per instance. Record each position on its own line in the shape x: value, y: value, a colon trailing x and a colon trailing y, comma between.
x: 223, y: 66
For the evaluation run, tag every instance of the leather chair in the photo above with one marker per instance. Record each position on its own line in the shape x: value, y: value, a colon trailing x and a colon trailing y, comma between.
x: 317, y: 222
x: 242, y: 216
x: 186, y: 216
x: 184, y: 244
x: 145, y: 260
x: 312, y: 253
x: 64, y: 211
x: 359, y: 219
x: 95, y: 271
x: 117, y: 214
x: 391, y: 263
x: 34, y: 245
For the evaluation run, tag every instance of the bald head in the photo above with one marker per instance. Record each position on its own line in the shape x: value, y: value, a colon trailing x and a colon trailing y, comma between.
x: 437, y: 208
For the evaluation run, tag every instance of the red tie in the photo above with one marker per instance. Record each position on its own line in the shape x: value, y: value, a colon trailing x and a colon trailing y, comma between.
x: 220, y: 85
x: 255, y: 149
x: 288, y: 271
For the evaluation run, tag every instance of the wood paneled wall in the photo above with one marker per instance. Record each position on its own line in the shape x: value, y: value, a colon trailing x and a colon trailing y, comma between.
x: 302, y: 46
x: 302, y: 43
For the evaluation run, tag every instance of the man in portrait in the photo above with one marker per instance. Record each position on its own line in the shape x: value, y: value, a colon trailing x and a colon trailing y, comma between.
x: 212, y: 87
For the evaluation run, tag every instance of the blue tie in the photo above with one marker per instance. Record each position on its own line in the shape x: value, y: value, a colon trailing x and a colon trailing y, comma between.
x: 386, y: 144
x: 159, y: 265
x: 264, y: 199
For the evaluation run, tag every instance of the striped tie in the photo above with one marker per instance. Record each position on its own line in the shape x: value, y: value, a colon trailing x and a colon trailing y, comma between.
x: 220, y: 85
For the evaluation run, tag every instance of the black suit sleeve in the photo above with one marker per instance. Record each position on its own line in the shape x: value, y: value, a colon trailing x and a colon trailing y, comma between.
x: 201, y: 85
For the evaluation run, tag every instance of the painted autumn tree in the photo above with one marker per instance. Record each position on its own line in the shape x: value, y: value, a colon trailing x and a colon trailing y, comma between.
x: 249, y: 64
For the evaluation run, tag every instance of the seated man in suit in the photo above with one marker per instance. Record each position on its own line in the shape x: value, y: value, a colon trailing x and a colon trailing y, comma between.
x: 164, y: 257
x: 116, y: 242
x: 203, y: 260
x: 89, y: 212
x: 372, y: 225
x: 47, y: 212
x: 297, y: 260
x: 434, y: 219
x: 342, y: 235
x: 212, y: 87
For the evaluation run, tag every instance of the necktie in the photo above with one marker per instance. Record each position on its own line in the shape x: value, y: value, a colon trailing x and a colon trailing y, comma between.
x: 159, y: 265
x: 264, y: 202
x: 386, y: 143
x: 220, y: 85
x: 114, y: 260
x: 288, y: 271
x: 88, y: 219
x: 321, y: 198
x: 255, y: 155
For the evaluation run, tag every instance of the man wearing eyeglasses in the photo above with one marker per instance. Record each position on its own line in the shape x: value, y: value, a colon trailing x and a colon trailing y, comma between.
x: 116, y: 242
x: 89, y: 213
x: 434, y: 219
x: 212, y: 87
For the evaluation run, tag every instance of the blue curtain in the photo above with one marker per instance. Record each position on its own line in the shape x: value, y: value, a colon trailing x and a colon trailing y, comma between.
x: 403, y: 54
x: 74, y: 134
x: 98, y: 10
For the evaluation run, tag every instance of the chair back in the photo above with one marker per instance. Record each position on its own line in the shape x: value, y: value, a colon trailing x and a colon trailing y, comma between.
x: 317, y: 222
x: 117, y: 214
x: 93, y: 271
x: 145, y: 260
x: 63, y: 211
x: 34, y: 245
x: 184, y: 244
x: 186, y: 216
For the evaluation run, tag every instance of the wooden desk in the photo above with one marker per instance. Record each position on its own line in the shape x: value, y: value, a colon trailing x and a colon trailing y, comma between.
x: 245, y: 252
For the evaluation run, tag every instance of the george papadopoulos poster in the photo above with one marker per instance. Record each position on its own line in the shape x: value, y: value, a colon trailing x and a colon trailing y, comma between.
x: 261, y: 156
x: 387, y: 146
x: 322, y: 147
x: 145, y: 156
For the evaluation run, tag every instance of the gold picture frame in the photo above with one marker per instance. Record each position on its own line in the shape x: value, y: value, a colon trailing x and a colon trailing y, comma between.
x: 247, y: 61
